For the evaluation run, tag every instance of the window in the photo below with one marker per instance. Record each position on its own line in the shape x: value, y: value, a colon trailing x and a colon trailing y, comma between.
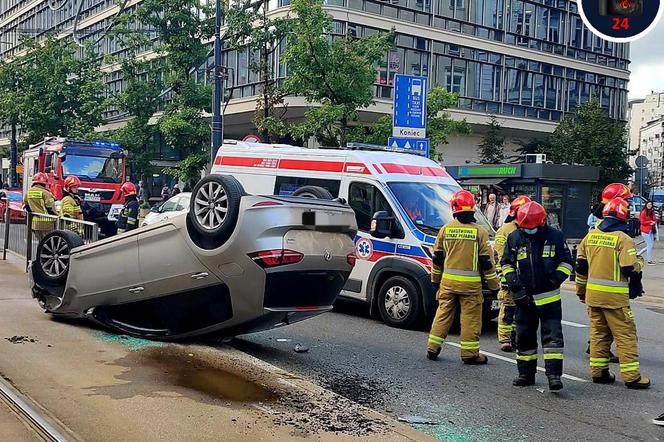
x: 365, y: 200
x: 286, y: 185
x: 51, y: 161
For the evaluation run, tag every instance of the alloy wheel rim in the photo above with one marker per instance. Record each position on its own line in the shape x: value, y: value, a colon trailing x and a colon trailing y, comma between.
x: 54, y: 258
x: 397, y: 302
x: 211, y: 205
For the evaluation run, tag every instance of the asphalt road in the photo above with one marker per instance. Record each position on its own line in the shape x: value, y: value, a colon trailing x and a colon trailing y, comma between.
x: 386, y: 369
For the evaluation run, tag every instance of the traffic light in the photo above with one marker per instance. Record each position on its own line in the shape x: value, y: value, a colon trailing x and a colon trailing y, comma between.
x: 624, y: 8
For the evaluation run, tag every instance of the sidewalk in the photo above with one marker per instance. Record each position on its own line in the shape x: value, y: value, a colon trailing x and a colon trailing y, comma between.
x: 653, y: 277
x: 103, y: 386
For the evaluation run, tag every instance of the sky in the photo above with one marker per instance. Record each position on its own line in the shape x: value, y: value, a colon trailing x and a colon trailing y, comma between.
x: 647, y: 56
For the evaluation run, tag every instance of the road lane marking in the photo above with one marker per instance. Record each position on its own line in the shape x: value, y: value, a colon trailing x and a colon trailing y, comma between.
x: 513, y: 361
x: 574, y: 324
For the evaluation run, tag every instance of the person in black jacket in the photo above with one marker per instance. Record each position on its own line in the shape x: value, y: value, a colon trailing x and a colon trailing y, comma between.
x: 536, y: 261
x: 128, y: 219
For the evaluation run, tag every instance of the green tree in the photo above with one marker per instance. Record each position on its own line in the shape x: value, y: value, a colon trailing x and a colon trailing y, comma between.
x: 335, y: 72
x: 183, y: 26
x: 440, y: 125
x: 62, y: 91
x: 189, y: 169
x: 492, y: 145
x: 251, y: 29
x: 591, y: 138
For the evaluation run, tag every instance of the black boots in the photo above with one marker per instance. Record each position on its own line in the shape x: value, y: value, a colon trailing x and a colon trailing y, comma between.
x: 477, y: 360
x: 606, y: 378
x: 555, y: 384
x: 433, y: 355
x: 640, y: 384
x: 524, y: 380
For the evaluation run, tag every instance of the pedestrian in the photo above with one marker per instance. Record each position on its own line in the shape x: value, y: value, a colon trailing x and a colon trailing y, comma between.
x: 143, y: 192
x: 506, y: 328
x: 128, y: 219
x: 504, y: 209
x: 648, y: 219
x: 165, y: 193
x: 608, y: 276
x: 462, y: 258
x: 39, y: 201
x: 595, y: 215
x: 70, y: 206
x: 491, y: 210
x: 176, y: 190
x: 536, y: 261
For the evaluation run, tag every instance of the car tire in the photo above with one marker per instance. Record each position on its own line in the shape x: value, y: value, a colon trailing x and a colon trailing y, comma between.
x: 313, y: 192
x: 51, y: 265
x: 214, y: 210
x: 400, y: 302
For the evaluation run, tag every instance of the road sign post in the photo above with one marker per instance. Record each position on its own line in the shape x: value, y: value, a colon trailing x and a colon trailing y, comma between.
x: 409, y: 117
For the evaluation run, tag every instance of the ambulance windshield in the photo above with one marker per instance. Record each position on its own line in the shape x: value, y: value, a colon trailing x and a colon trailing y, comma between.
x: 428, y: 204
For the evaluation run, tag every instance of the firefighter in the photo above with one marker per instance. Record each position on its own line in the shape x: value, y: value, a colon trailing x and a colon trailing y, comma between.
x: 39, y: 201
x: 608, y: 276
x: 128, y: 218
x: 462, y: 257
x: 535, y: 262
x: 506, y: 328
x: 70, y: 206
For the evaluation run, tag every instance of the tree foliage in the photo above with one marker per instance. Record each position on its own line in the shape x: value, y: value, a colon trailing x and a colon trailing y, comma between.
x: 591, y: 138
x: 189, y: 169
x: 492, y: 145
x: 440, y: 125
x: 336, y: 74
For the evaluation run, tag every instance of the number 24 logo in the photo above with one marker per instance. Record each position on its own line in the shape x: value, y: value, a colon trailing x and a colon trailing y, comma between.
x: 619, y: 24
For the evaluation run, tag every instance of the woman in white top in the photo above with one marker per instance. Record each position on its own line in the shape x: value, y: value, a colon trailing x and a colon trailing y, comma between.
x: 503, y: 210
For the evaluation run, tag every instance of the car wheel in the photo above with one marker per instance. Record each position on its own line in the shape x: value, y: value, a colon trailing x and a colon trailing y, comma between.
x: 53, y: 255
x: 400, y: 302
x: 213, y: 210
x: 313, y: 192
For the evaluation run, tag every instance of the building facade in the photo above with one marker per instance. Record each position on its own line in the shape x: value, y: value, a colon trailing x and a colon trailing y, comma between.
x: 651, y: 145
x: 527, y: 61
x: 641, y: 111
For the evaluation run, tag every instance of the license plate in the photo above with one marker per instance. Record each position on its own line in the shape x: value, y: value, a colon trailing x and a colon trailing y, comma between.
x: 92, y: 197
x: 495, y: 305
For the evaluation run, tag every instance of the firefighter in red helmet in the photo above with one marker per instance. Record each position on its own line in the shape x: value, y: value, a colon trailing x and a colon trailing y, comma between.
x: 128, y: 218
x: 70, y: 206
x: 536, y: 261
x: 39, y: 201
x: 462, y: 258
x: 609, y: 275
x: 506, y: 328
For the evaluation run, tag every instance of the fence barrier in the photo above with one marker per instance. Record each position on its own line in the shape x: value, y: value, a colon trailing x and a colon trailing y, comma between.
x: 21, y: 231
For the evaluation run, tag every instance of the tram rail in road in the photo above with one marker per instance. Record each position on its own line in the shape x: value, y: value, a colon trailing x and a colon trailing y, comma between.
x: 28, y: 413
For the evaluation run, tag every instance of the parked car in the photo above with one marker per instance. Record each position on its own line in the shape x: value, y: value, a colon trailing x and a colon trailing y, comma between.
x: 175, y: 206
x: 15, y: 200
x: 234, y: 264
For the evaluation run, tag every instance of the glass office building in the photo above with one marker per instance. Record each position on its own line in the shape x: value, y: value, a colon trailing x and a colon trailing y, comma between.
x: 527, y: 62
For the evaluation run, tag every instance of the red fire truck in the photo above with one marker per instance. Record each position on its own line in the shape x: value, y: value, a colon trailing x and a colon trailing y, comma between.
x: 99, y: 164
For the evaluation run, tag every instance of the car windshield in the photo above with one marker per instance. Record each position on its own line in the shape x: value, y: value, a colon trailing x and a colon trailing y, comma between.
x: 89, y: 168
x: 428, y: 204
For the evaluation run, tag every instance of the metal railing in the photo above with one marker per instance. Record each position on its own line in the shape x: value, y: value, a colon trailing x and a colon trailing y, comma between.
x: 21, y: 232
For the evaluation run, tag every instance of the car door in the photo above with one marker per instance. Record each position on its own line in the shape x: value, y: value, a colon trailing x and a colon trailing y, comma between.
x: 167, y: 264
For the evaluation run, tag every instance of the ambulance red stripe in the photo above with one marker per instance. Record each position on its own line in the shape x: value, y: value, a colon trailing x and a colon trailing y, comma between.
x: 287, y: 164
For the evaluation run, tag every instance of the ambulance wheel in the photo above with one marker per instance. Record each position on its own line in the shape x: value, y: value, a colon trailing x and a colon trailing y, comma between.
x: 313, y: 192
x: 400, y: 302
x: 53, y: 256
x: 214, y: 210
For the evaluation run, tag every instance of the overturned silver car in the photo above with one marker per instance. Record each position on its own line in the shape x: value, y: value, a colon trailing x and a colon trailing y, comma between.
x: 235, y: 263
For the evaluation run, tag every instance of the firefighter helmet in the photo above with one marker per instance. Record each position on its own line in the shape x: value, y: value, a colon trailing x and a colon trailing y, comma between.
x: 615, y: 190
x: 40, y: 178
x: 617, y: 208
x: 517, y: 203
x: 128, y: 188
x: 531, y: 215
x: 462, y: 201
x: 71, y: 182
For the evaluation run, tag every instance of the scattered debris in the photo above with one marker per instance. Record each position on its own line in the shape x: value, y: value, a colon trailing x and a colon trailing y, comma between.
x: 541, y: 390
x: 20, y: 339
x: 364, y: 391
x: 299, y: 348
x: 421, y: 420
x: 284, y: 340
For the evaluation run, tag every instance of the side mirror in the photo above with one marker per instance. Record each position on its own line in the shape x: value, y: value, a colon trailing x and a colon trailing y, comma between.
x: 382, y: 224
x: 155, y: 209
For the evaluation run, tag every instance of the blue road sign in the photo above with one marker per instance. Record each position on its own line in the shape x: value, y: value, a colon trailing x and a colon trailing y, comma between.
x: 410, y: 106
x: 418, y: 146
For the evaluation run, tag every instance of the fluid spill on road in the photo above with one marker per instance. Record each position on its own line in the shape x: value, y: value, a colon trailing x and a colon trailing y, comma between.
x: 128, y: 341
x: 162, y: 371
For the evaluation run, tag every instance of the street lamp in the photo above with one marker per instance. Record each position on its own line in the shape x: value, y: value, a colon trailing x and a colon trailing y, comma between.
x: 217, y: 121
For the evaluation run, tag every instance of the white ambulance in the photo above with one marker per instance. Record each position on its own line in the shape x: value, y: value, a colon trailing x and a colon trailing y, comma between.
x: 406, y: 196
